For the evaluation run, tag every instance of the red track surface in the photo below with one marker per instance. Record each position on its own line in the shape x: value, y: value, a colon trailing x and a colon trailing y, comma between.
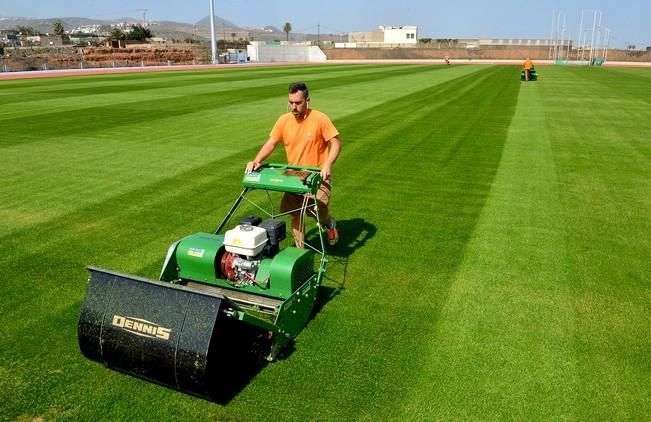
x: 103, y: 71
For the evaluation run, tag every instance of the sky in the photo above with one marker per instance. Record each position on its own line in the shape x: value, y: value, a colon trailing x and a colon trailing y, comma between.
x: 629, y: 21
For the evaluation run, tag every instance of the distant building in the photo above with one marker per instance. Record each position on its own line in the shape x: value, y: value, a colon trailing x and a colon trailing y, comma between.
x: 402, y: 35
x: 111, y: 43
x: 41, y: 40
x: 89, y: 29
x: 521, y: 42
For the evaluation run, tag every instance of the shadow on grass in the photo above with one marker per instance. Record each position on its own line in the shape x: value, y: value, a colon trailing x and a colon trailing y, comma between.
x: 237, y: 358
x: 353, y: 234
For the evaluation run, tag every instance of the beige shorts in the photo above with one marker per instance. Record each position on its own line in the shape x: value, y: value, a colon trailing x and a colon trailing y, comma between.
x: 293, y: 202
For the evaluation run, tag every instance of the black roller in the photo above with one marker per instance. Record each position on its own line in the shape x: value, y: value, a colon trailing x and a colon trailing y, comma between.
x: 156, y: 330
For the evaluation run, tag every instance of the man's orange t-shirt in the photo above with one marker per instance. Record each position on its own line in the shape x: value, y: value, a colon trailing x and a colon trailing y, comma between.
x: 306, y: 141
x: 528, y: 64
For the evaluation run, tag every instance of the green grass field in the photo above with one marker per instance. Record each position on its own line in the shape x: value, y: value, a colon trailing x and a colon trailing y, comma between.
x: 497, y: 234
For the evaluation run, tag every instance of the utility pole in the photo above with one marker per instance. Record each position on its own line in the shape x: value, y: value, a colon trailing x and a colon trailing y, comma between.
x: 213, y: 43
x: 144, y: 16
x: 318, y: 33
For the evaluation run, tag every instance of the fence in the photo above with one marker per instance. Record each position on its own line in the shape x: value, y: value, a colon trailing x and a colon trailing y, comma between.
x: 26, y: 59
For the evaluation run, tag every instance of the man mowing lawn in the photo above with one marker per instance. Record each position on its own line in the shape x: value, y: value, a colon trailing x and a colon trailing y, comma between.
x: 310, y: 139
x: 528, y: 68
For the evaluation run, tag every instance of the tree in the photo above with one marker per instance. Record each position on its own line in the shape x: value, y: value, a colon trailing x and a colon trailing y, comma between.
x: 26, y: 30
x: 116, y: 34
x: 287, y: 28
x: 58, y: 29
x: 139, y: 33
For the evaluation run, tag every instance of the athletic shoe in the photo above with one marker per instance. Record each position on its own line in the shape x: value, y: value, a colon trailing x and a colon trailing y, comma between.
x: 333, y: 234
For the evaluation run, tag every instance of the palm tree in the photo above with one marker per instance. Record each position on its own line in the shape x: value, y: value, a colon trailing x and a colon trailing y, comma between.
x: 57, y: 28
x: 287, y: 29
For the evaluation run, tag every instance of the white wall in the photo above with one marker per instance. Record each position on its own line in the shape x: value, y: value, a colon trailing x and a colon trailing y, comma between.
x: 260, y: 52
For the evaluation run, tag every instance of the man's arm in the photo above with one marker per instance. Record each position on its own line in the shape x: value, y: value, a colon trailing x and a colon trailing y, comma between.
x: 262, y: 155
x: 335, y: 148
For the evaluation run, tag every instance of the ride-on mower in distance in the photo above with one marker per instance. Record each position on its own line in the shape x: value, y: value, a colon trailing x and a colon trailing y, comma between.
x: 219, y: 294
x: 533, y: 76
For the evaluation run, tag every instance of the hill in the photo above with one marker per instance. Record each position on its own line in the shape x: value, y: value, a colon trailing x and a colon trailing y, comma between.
x: 218, y: 22
x: 200, y: 30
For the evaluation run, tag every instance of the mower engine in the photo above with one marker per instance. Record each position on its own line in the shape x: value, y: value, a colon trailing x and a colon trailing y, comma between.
x: 246, y: 246
x: 240, y: 270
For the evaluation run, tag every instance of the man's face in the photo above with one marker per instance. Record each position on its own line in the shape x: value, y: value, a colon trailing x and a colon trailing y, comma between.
x: 298, y: 104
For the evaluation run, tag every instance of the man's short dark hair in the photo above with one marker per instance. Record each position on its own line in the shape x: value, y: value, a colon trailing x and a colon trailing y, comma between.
x: 294, y: 87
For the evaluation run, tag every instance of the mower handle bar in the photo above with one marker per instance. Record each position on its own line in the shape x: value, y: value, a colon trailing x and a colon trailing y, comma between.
x: 288, y: 166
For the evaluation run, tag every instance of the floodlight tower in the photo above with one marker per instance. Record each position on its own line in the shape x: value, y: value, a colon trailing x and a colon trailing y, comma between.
x: 599, y: 33
x: 555, y: 36
x: 213, y: 43
x: 562, y: 38
x: 606, y: 43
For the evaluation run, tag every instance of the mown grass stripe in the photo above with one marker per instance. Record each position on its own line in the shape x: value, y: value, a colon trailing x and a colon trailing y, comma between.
x: 603, y: 160
x: 509, y: 306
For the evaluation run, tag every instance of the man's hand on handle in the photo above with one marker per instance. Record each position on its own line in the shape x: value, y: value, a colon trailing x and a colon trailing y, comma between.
x: 325, y: 172
x: 252, y: 166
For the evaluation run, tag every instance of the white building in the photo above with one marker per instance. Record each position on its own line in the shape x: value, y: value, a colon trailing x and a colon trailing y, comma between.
x: 403, y: 35
x: 400, y: 34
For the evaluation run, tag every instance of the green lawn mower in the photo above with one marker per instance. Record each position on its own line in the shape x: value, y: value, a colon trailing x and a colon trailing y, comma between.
x: 220, y: 295
x: 532, y: 77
